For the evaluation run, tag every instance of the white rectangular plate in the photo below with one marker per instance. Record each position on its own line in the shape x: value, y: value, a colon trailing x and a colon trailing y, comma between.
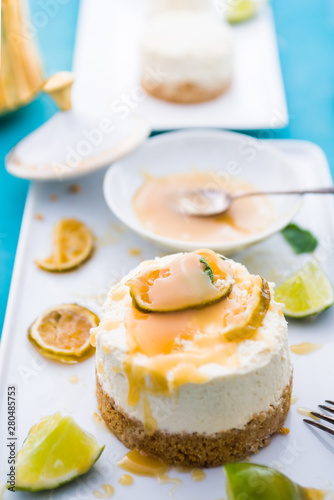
x: 107, y: 70
x: 43, y: 386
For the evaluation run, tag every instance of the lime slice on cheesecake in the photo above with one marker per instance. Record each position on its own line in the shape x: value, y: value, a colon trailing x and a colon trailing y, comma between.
x: 240, y: 11
x: 55, y: 452
x: 200, y: 279
x: 250, y: 481
x: 192, y: 280
x: 306, y: 293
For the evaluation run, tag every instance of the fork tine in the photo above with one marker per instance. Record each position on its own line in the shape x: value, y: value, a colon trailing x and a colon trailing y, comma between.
x: 323, y: 417
x: 327, y: 408
x: 319, y: 426
x: 330, y: 402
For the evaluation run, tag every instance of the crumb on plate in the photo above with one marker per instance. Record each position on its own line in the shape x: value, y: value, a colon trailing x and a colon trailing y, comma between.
x: 134, y: 251
x: 74, y: 188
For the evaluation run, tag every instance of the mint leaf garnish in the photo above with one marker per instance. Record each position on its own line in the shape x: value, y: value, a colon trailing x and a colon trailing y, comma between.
x: 207, y: 269
x: 301, y: 240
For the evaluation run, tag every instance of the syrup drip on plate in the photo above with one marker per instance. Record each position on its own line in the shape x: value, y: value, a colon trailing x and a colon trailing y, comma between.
x: 140, y: 463
x: 108, y: 491
x: 126, y: 480
x: 306, y: 412
x: 305, y: 348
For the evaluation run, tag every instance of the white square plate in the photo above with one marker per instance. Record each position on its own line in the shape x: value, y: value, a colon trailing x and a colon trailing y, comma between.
x: 43, y: 386
x: 107, y: 69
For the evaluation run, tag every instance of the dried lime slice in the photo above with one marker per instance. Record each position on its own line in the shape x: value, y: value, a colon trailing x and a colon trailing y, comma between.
x: 190, y: 280
x: 73, y: 244
x: 306, y: 293
x: 240, y: 11
x: 62, y: 333
x: 244, y: 325
x: 264, y: 483
x: 55, y: 452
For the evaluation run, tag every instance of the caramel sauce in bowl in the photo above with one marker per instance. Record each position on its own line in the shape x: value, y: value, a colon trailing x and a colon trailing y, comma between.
x: 155, y: 202
x: 138, y: 189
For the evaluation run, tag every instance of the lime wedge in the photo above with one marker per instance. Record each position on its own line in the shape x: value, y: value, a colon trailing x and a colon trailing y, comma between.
x: 55, y: 452
x: 306, y: 293
x: 264, y: 483
x: 240, y: 11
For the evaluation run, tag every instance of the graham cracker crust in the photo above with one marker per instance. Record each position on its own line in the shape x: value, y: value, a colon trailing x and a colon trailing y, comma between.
x: 196, y: 450
x: 184, y: 93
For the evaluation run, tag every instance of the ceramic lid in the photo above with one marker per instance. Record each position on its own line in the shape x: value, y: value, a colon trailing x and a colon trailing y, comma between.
x: 74, y: 142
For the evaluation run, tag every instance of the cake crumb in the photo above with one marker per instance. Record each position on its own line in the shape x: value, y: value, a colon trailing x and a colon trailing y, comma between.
x: 53, y: 197
x: 248, y: 459
x: 98, y: 420
x: 74, y: 188
x: 284, y: 430
x: 39, y: 216
x: 134, y: 251
x: 73, y: 379
x: 97, y: 416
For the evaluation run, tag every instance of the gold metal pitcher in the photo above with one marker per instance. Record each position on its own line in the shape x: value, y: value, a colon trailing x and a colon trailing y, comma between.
x: 21, y: 74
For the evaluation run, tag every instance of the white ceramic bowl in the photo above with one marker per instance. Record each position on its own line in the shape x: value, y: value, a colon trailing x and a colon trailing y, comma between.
x: 227, y: 152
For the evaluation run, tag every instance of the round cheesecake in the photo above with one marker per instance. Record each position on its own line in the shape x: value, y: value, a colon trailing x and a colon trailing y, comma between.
x: 192, y: 360
x: 186, y: 56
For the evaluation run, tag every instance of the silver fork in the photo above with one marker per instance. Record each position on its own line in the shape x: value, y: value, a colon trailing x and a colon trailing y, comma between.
x: 322, y: 416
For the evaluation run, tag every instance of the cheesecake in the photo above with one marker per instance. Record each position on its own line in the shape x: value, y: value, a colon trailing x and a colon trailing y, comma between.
x: 192, y: 360
x: 186, y: 56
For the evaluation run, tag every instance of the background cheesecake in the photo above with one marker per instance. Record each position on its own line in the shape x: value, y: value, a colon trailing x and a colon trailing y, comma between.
x: 190, y: 51
x: 192, y: 360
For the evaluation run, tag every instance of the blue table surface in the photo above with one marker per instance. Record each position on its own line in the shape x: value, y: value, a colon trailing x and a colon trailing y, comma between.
x: 305, y: 33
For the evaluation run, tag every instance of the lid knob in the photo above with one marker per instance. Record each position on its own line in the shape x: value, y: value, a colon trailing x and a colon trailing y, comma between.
x: 59, y: 86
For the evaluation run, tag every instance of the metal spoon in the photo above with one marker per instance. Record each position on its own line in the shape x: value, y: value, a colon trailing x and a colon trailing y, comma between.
x: 207, y: 202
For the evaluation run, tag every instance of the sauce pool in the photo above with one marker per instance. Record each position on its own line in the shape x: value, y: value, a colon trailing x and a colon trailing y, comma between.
x: 154, y: 205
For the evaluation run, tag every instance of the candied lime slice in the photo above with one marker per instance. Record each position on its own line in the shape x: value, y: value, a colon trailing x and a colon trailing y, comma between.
x: 306, y: 293
x: 240, y: 11
x: 55, y: 452
x: 263, y: 483
x: 191, y: 280
x: 247, y: 323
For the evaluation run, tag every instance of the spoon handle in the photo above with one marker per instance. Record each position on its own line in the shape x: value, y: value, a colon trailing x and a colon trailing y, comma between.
x: 327, y: 190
